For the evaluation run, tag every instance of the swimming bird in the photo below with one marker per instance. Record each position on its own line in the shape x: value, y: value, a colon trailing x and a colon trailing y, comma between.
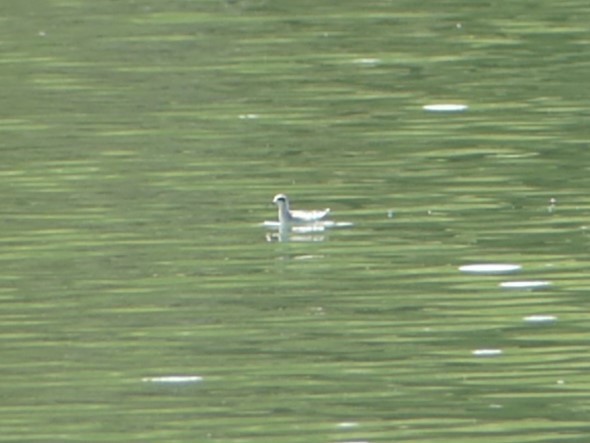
x: 286, y: 215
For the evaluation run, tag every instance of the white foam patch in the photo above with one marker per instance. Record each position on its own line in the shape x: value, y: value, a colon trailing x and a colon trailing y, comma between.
x: 173, y: 379
x: 347, y: 425
x: 445, y: 107
x: 536, y: 284
x: 487, y: 352
x: 540, y: 318
x: 492, y: 268
x: 367, y: 61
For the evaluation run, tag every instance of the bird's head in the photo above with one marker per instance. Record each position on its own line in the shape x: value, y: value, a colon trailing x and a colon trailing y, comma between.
x: 280, y: 199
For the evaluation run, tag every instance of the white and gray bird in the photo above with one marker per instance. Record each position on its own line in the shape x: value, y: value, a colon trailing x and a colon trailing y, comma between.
x: 286, y: 215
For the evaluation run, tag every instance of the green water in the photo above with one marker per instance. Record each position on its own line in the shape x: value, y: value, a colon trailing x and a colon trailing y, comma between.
x: 142, y: 143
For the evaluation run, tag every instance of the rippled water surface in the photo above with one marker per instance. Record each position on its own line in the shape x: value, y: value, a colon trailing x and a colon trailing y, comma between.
x: 142, y: 144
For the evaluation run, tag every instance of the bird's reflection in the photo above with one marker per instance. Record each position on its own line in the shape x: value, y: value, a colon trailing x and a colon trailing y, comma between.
x: 287, y: 233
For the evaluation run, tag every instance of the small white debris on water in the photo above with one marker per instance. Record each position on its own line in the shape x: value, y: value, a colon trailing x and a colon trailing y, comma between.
x: 492, y: 268
x: 248, y: 116
x: 367, y: 61
x: 445, y: 107
x: 525, y: 284
x: 173, y: 379
x: 347, y: 425
x: 540, y: 318
x: 487, y: 352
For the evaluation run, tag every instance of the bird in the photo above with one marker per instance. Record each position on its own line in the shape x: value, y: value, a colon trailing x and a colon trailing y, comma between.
x: 287, y: 216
